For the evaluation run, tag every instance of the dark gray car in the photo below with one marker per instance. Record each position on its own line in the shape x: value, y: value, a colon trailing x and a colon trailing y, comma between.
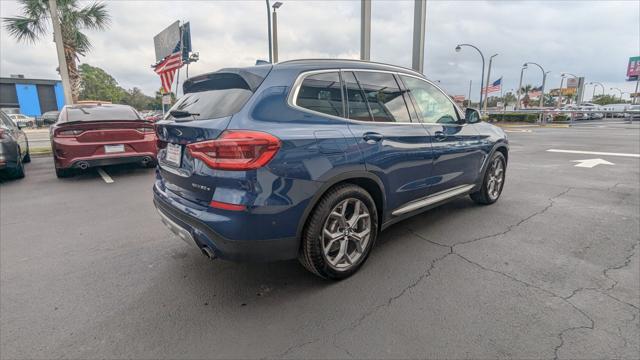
x: 14, y: 149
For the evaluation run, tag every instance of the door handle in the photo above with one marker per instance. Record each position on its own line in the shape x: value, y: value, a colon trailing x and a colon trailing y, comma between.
x: 372, y: 137
x: 440, y: 136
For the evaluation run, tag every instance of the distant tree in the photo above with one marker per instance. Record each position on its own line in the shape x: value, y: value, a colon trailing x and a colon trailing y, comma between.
x: 606, y: 99
x: 137, y: 99
x: 509, y: 98
x: 33, y: 24
x: 97, y: 84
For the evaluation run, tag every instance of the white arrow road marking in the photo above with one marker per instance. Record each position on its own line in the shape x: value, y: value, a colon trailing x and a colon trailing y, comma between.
x: 593, y: 153
x: 105, y: 176
x: 589, y: 163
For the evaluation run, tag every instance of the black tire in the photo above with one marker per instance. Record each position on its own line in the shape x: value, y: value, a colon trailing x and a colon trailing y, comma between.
x: 311, y: 253
x: 16, y: 172
x: 482, y: 196
x: 27, y: 158
x: 63, y: 173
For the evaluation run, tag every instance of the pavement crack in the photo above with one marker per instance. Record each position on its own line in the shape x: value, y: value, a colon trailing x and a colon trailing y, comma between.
x: 625, y: 263
x: 520, y: 222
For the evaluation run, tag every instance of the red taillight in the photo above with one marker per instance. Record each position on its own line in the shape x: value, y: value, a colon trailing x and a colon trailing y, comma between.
x: 227, y: 206
x: 236, y: 150
x: 68, y: 133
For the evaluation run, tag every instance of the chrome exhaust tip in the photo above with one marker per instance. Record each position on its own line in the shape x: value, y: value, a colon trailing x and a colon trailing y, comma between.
x: 206, y: 251
x: 146, y: 160
x: 83, y: 165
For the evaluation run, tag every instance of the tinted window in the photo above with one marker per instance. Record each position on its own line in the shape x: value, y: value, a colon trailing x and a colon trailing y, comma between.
x: 215, y: 96
x: 321, y: 93
x: 99, y: 113
x: 356, y: 103
x: 383, y: 96
x: 434, y: 106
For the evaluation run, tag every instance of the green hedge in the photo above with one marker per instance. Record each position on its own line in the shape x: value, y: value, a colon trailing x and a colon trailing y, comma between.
x: 514, y: 117
x: 561, y: 117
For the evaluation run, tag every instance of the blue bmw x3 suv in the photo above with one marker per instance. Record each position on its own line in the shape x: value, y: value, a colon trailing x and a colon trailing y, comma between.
x: 311, y: 159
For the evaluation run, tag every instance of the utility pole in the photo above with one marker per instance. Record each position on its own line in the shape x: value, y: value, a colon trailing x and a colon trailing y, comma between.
x: 365, y: 30
x: 419, y: 24
x: 269, y: 31
x: 560, y: 91
x: 275, y: 31
x: 486, y: 93
x: 520, y: 86
x: 635, y: 98
x: 62, y: 61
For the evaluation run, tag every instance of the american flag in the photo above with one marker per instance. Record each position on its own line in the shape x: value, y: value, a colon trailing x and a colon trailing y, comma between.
x: 494, y: 87
x: 167, y: 69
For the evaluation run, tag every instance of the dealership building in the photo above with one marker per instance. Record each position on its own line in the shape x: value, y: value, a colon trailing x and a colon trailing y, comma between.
x: 31, y: 97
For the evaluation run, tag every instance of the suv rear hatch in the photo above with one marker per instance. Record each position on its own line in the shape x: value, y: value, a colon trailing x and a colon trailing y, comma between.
x: 201, y: 115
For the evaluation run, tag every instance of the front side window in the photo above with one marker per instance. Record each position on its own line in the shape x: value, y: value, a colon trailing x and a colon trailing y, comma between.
x: 321, y: 93
x: 434, y: 106
x: 383, y: 96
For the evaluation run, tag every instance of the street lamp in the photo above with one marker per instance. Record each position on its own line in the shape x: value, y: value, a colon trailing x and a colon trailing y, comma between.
x: 520, y: 86
x: 486, y: 94
x: 544, y: 80
x: 458, y: 48
x: 594, y: 83
x: 615, y: 88
x: 562, y: 76
x: 275, y: 31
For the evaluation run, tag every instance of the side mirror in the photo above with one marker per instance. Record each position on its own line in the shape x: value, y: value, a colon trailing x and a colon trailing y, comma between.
x: 19, y: 125
x: 472, y: 116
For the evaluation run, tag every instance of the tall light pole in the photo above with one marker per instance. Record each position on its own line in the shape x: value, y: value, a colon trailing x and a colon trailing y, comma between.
x: 470, y: 82
x: 458, y: 48
x: 486, y: 94
x: 365, y: 30
x: 524, y: 67
x: 275, y: 31
x: 594, y: 83
x: 62, y: 61
x: 419, y: 25
x: 615, y: 88
x: 544, y: 80
x: 269, y: 30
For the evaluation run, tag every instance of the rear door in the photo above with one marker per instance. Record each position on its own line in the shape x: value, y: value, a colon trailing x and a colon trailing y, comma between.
x: 394, y: 148
x: 202, y: 114
x: 457, y: 151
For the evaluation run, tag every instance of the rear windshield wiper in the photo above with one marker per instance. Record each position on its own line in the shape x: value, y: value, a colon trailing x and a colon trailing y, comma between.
x: 182, y: 114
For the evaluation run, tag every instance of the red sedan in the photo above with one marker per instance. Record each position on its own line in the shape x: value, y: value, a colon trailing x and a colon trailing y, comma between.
x: 90, y: 135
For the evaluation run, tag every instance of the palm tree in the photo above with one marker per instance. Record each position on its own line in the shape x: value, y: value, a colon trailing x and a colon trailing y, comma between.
x: 525, y: 90
x: 33, y: 25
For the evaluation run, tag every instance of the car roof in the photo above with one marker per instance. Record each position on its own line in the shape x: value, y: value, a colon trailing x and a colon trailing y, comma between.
x: 98, y: 105
x: 317, y: 64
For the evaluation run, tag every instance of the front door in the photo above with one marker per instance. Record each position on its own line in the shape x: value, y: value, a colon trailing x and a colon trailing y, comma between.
x: 457, y: 148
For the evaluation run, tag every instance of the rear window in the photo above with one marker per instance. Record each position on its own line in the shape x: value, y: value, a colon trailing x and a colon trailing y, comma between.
x: 99, y: 113
x: 321, y: 93
x: 213, y: 96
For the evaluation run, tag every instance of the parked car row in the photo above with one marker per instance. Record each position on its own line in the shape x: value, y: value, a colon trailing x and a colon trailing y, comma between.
x: 84, y: 136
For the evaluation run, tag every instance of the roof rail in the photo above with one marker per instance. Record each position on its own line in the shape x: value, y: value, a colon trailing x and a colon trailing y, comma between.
x: 353, y: 60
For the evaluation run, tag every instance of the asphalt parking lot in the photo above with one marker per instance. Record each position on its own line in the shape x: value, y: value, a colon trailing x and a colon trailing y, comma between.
x: 551, y: 271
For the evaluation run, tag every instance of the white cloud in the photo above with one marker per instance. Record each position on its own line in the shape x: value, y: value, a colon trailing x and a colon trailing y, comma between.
x: 589, y: 38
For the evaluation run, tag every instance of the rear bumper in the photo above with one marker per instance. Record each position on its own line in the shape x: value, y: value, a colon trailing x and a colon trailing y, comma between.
x: 69, y: 154
x: 187, y: 224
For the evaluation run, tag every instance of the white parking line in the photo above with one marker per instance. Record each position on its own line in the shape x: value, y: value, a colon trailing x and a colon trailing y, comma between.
x: 593, y: 153
x: 105, y: 176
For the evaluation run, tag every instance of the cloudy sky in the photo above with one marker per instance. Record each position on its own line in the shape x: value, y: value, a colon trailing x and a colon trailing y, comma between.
x: 588, y: 38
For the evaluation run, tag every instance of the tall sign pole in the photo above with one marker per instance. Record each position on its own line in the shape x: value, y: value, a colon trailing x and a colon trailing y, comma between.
x: 269, y: 31
x: 365, y: 29
x: 62, y: 61
x: 419, y: 25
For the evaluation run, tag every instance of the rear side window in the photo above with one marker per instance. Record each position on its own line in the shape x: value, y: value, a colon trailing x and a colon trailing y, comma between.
x: 383, y: 96
x: 99, y: 113
x: 216, y: 96
x: 356, y: 103
x: 321, y: 93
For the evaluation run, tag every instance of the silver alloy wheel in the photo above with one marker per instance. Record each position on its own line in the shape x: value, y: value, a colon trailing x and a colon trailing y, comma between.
x: 496, y: 179
x: 346, y: 234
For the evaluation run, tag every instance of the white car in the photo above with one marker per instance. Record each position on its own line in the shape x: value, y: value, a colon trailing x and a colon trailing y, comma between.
x: 617, y: 107
x: 22, y: 120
